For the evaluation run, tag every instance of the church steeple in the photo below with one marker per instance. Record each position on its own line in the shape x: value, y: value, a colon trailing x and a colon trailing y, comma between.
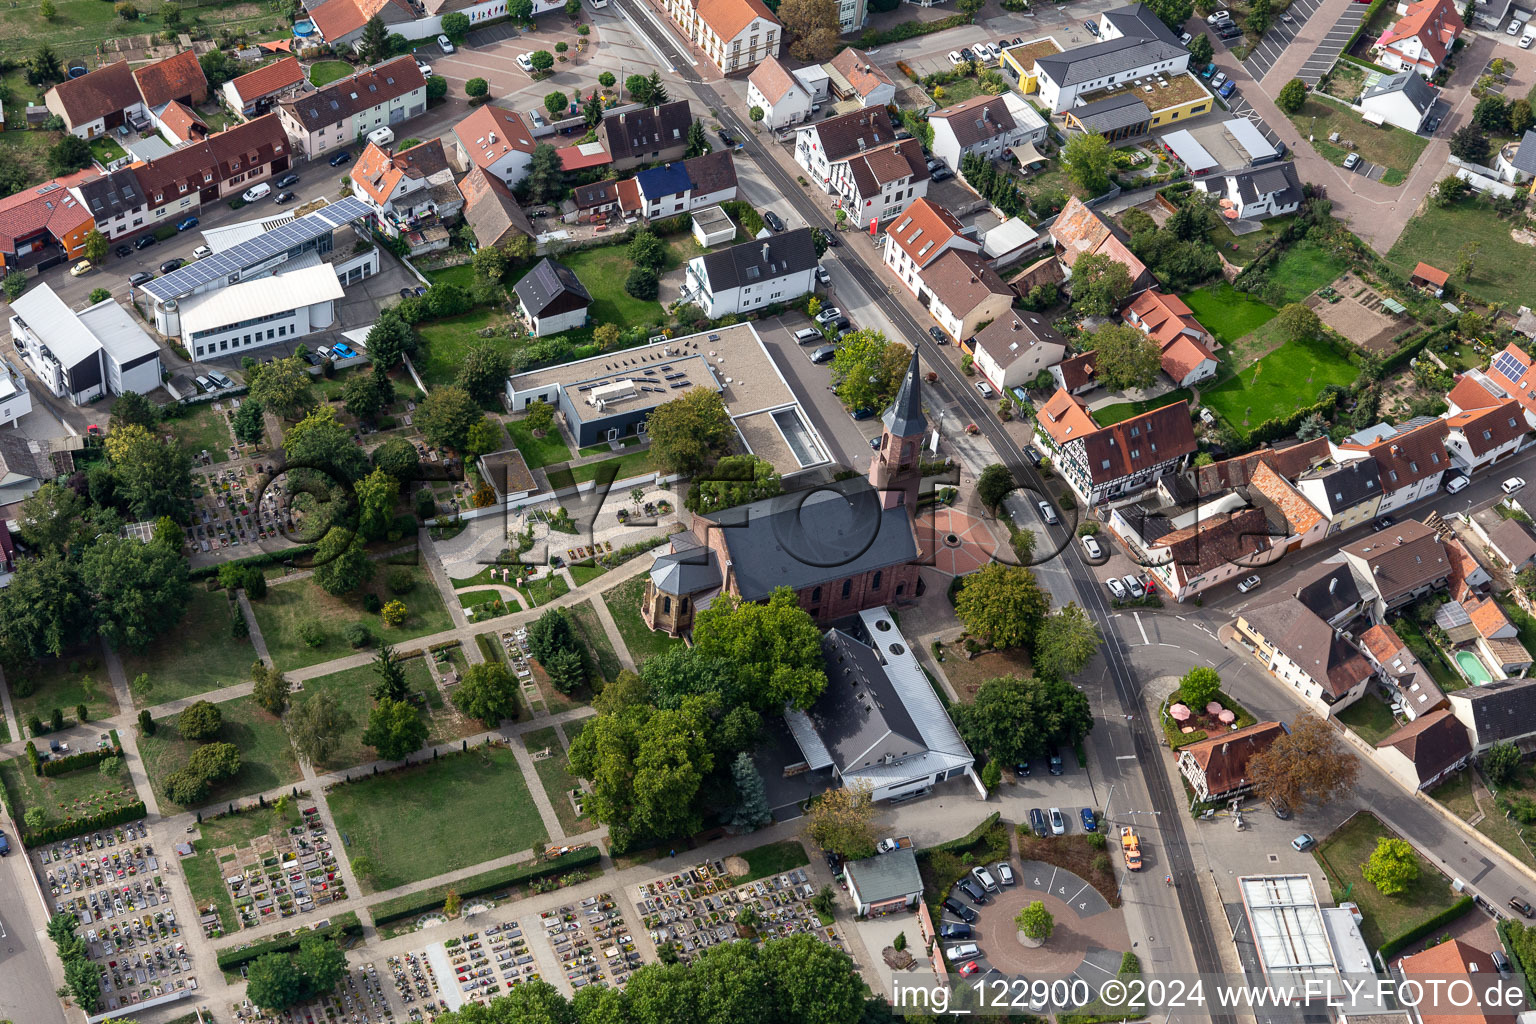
x: 896, y: 471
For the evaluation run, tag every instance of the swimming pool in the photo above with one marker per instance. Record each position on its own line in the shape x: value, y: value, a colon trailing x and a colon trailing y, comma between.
x: 1472, y: 668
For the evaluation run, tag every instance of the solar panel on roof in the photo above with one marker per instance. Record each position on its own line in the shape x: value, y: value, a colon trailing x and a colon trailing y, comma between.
x: 1509, y: 366
x: 680, y: 384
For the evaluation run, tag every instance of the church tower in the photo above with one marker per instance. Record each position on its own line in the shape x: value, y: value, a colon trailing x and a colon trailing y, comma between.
x: 895, y: 470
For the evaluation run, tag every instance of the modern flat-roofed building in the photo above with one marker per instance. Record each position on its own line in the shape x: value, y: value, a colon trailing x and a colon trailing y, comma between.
x: 261, y: 311
x: 83, y: 356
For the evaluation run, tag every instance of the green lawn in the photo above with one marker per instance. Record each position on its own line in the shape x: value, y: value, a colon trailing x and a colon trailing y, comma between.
x: 1239, y: 249
x: 287, y: 606
x: 439, y: 816
x: 957, y: 92
x: 1370, y: 718
x: 602, y: 271
x: 1393, y: 148
x: 267, y: 758
x: 584, y: 574
x: 446, y: 341
x: 1440, y: 670
x: 543, y: 591
x: 624, y: 605
x: 1343, y: 855
x: 199, y: 655
x: 1306, y: 267
x: 1457, y: 796
x: 624, y: 467
x: 353, y: 690
x: 1226, y: 312
x: 549, y: 450
x: 605, y: 660
x: 78, y: 27
x: 328, y: 71
x: 462, y: 275
x: 30, y: 150
x: 205, y: 877
x: 1502, y: 271
x: 202, y: 429
x: 1125, y: 410
x: 105, y: 150
x: 78, y: 677
x: 555, y: 775
x: 772, y: 859
x: 1280, y: 383
x: 63, y: 797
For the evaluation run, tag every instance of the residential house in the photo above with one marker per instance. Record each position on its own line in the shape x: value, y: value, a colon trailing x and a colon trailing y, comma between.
x: 1401, y: 675
x: 1289, y: 461
x: 495, y: 140
x: 735, y: 35
x: 176, y: 79
x: 1217, y: 768
x: 98, y: 102
x: 1516, y: 162
x: 986, y: 126
x: 1467, y: 573
x: 965, y: 293
x: 582, y: 156
x: 1332, y: 592
x: 1506, y: 542
x: 1075, y: 374
x: 1476, y: 438
x: 854, y: 77
x: 1422, y: 38
x: 25, y: 465
x: 1403, y: 562
x: 552, y: 299
x: 1501, y: 711
x: 85, y: 356
x: 1016, y: 348
x: 411, y: 193
x: 924, y: 232
x: 1403, y: 100
x: 878, y: 724
x: 821, y: 145
x: 1456, y: 966
x: 1348, y: 493
x: 772, y: 87
x: 1497, y: 644
x: 1508, y: 376
x: 1411, y: 459
x: 45, y: 225
x: 253, y: 93
x: 1078, y: 230
x: 1303, y: 651
x: 1256, y: 193
x: 877, y: 184
x: 348, y: 109
x: 1185, y: 344
x: 887, y: 883
x: 179, y: 124
x: 681, y: 187
x: 599, y: 198
x: 491, y: 211
x: 1425, y: 751
x: 753, y: 274
x: 654, y: 135
x: 1188, y: 549
x: 15, y: 396
x: 340, y: 22
x: 1101, y: 463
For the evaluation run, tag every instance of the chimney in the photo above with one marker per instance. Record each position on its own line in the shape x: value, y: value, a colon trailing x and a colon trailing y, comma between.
x: 765, y: 252
x: 492, y: 138
x: 1333, y: 584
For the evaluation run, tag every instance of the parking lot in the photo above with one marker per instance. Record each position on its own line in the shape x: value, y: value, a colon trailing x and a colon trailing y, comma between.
x: 1279, y: 37
x: 847, y: 439
x: 1333, y: 44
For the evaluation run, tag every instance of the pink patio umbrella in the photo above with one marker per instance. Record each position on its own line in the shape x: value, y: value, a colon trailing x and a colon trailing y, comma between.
x: 1227, y: 716
x: 1212, y: 708
x: 1179, y: 712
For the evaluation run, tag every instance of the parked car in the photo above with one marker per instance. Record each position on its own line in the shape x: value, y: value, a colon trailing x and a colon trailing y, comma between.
x: 1217, y: 17
x: 144, y: 241
x: 344, y: 351
x: 1499, y: 960
x: 1132, y: 585
x: 828, y: 315
x: 942, y: 174
x: 1456, y: 482
x: 525, y: 62
x: 1091, y: 546
x: 172, y: 264
x: 1227, y: 90
x: 1219, y: 81
x: 284, y: 197
x: 1054, y: 764
x: 123, y: 250
x: 444, y: 44
x: 337, y: 159
x: 188, y: 223
x: 205, y: 384
x: 966, y: 53
x: 1385, y: 522
x: 1033, y: 454
x: 1303, y: 843
x: 1526, y: 40
x: 865, y: 413
x: 772, y: 220
x: 202, y: 252
x: 1092, y: 27
x: 938, y: 336
x: 1281, y: 808
x: 1047, y: 513
x: 824, y: 354
x: 140, y: 278
x: 1090, y: 820
x: 81, y: 269
x: 220, y: 379
x: 955, y: 58
x: 1116, y: 588
x: 287, y: 181
x: 1515, y: 25
x: 1251, y: 583
x: 1512, y: 485
x: 806, y: 335
x: 973, y: 891
x: 726, y: 137
x: 1185, y: 38
x: 969, y: 968
x: 1520, y: 906
x: 954, y: 931
x: 984, y: 389
x: 424, y: 68
x: 1005, y: 874
x: 1058, y: 823
x: 1037, y: 822
x: 964, y: 951
x: 1352, y: 161
x: 984, y: 878
x: 1208, y: 70
x: 5, y: 845
x: 960, y: 910
x: 1021, y: 770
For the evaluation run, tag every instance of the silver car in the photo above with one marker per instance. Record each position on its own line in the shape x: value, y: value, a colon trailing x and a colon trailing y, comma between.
x: 1058, y: 823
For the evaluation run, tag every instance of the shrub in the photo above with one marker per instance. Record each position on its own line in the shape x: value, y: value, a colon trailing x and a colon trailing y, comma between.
x: 371, y: 603
x: 146, y: 722
x: 311, y: 634
x: 25, y: 686
x: 358, y: 635
x: 642, y: 283
x: 394, y: 613
x: 401, y: 581
x: 476, y: 87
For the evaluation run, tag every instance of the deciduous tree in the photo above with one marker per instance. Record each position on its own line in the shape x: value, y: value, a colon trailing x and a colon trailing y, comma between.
x: 1307, y: 767
x: 1014, y: 719
x: 201, y: 720
x: 1299, y: 322
x: 1100, y: 285
x: 316, y: 726
x: 1086, y: 159
x: 395, y: 729
x: 1126, y: 357
x: 488, y: 693
x: 45, y: 609
x: 734, y: 480
x: 96, y: 251
x: 1035, y: 921
x: 1065, y: 642
x: 320, y: 960
x: 687, y: 432
x: 51, y: 518
x: 995, y: 483
x: 446, y: 415
x: 389, y: 338
x: 341, y: 565
x: 270, y: 688
x: 273, y: 982
x: 775, y: 646
x: 1002, y: 605
x: 153, y: 478
x: 283, y: 385
x: 1293, y: 95
x: 1500, y: 763
x: 868, y: 369
x: 483, y: 370
x: 842, y: 821
x: 398, y: 458
x: 1392, y: 867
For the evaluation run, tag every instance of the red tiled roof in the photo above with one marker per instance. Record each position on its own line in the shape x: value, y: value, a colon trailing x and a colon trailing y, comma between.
x: 171, y: 79
x: 1433, y: 742
x: 1464, y: 565
x: 729, y: 17
x: 1405, y: 459
x: 269, y: 79
x: 1182, y: 356
x: 1435, y: 23
x: 1451, y: 959
x: 922, y: 229
x: 1289, y: 462
x: 1521, y: 387
x: 1470, y: 394
x: 490, y: 133
x: 1064, y: 417
x: 1488, y: 429
x: 1078, y: 370
x: 573, y: 159
x: 1382, y: 642
x: 1487, y: 616
x: 861, y: 72
x: 337, y: 18
x: 1079, y: 229
x: 102, y: 92
x: 49, y: 206
x: 179, y: 120
x: 1141, y: 442
x: 629, y: 195
x: 1300, y: 513
x: 772, y: 79
x: 1223, y: 760
x: 378, y: 172
x: 1436, y: 277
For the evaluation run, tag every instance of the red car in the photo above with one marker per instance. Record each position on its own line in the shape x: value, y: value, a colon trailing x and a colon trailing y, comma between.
x: 969, y: 969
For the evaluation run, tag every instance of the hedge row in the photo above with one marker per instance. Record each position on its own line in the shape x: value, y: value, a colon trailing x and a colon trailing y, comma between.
x: 106, y: 819
x: 1407, y: 351
x: 342, y: 926
x: 970, y: 838
x: 1284, y: 426
x: 1393, y: 946
x: 478, y: 885
x: 74, y: 762
x: 266, y: 558
x: 913, y: 29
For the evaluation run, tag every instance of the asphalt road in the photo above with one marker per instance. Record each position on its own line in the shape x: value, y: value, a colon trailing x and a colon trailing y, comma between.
x: 26, y: 993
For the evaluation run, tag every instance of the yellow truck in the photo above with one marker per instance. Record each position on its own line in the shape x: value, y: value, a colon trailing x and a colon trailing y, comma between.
x: 1130, y: 846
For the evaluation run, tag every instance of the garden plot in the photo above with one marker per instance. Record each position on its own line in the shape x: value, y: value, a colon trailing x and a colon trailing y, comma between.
x: 698, y: 908
x: 280, y: 875
x: 1355, y: 310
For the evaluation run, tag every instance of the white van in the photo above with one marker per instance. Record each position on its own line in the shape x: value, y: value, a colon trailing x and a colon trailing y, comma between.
x: 382, y: 136
x: 806, y: 335
x: 1456, y: 483
x: 256, y: 192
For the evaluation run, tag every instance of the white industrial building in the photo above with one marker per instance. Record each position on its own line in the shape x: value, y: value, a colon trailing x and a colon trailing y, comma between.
x: 83, y: 356
x: 260, y: 312
x: 1297, y: 940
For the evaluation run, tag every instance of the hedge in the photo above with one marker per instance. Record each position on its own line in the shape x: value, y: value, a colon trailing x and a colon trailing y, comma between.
x: 1393, y: 946
x: 106, y: 819
x: 1407, y: 351
x: 1370, y: 12
x: 913, y: 29
x: 74, y: 762
x: 265, y: 558
x: 342, y: 926
x: 429, y: 900
x: 971, y: 837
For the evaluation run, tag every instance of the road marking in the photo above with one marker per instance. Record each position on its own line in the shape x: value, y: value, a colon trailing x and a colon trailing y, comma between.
x: 1127, y: 757
x: 1141, y: 627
